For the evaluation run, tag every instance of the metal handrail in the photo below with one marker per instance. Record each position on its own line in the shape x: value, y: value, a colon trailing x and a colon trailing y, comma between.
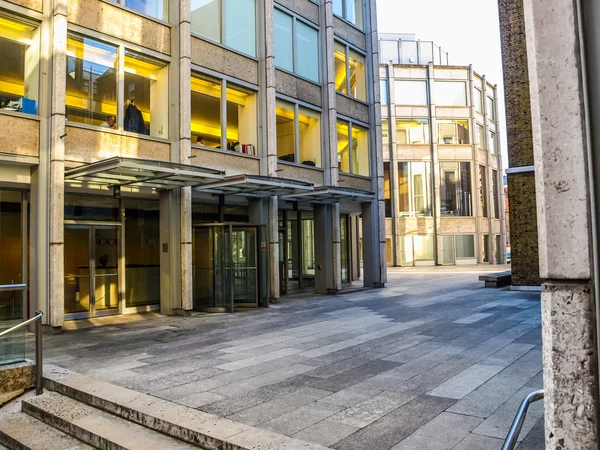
x: 12, y: 287
x: 515, y: 429
x: 38, y: 347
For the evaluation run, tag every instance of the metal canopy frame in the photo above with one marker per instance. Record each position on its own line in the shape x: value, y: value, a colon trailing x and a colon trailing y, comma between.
x: 141, y: 173
x: 330, y: 194
x: 255, y: 186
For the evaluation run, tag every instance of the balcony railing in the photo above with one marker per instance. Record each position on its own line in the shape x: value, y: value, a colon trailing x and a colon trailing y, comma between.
x: 401, y: 51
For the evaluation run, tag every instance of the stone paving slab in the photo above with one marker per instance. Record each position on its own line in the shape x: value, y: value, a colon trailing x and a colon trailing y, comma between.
x: 366, y: 370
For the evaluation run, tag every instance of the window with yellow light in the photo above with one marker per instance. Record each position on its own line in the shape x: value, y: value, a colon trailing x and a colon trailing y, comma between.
x: 286, y: 131
x: 19, y: 64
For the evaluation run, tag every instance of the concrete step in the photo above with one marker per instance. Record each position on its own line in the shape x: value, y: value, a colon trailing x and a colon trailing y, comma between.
x: 21, y: 431
x: 95, y: 427
x: 188, y: 424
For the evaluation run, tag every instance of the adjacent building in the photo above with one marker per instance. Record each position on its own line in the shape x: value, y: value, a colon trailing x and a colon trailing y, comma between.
x: 180, y: 156
x: 443, y: 187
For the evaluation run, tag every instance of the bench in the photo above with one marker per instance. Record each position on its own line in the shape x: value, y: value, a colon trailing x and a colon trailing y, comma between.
x: 496, y: 280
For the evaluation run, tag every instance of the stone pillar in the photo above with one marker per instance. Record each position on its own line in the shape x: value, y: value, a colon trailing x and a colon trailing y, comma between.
x: 500, y: 188
x: 488, y: 190
x: 57, y: 165
x: 563, y: 206
x: 184, y: 139
x: 435, y: 167
x: 324, y: 267
x: 370, y: 235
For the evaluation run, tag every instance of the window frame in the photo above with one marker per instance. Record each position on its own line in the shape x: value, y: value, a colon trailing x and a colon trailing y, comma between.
x: 474, y: 247
x: 122, y: 46
x: 465, y: 90
x: 455, y: 122
x: 492, y: 141
x: 347, y: 48
x: 491, y: 106
x: 468, y: 206
x: 478, y: 95
x: 296, y: 17
x: 222, y: 32
x: 365, y: 126
x: 344, y: 15
x: 420, y: 80
x: 427, y: 195
x: 297, y: 104
x: 426, y: 135
x: 121, y: 4
x: 223, y: 81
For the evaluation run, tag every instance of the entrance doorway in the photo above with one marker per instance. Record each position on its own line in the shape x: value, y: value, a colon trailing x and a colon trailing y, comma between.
x: 227, y: 267
x: 91, y: 270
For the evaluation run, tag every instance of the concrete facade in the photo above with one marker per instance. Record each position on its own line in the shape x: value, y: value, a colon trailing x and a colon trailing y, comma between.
x: 474, y: 234
x: 47, y: 145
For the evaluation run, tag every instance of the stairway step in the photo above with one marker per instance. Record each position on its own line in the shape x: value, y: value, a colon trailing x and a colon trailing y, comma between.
x: 95, y: 427
x: 188, y: 424
x: 21, y: 431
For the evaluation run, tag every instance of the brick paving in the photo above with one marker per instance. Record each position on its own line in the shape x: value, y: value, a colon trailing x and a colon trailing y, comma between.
x: 433, y: 361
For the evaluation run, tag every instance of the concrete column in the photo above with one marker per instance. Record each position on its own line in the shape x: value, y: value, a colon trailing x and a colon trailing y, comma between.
x: 324, y: 268
x: 435, y: 167
x: 57, y: 165
x: 370, y: 234
x: 500, y: 188
x: 560, y: 144
x: 170, y: 260
x: 185, y: 152
x: 394, y: 172
x: 475, y: 165
x: 489, y: 190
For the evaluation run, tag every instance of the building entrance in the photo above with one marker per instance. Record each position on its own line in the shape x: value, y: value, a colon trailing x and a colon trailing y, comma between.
x: 227, y: 267
x: 91, y: 270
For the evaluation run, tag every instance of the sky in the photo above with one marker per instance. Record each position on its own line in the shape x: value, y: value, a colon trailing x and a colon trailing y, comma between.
x: 467, y: 29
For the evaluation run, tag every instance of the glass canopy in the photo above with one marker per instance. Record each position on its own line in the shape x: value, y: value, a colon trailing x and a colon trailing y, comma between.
x: 330, y: 194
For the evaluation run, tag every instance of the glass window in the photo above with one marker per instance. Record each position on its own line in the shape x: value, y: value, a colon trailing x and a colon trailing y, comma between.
x: 230, y: 22
x: 478, y: 100
x: 307, y: 51
x: 426, y: 55
x: 453, y: 132
x: 483, y: 209
x: 450, y: 93
x: 284, y: 42
x: 142, y: 247
x: 414, y: 185
x: 153, y: 8
x: 343, y: 129
x: 492, y: 142
x: 495, y: 198
x: 19, y: 64
x: 455, y: 189
x: 242, y: 118
x: 480, y: 136
x: 206, y: 112
x: 309, y: 127
x: 407, y: 257
x: 465, y: 246
x: 387, y: 193
x: 485, y: 248
x: 146, y: 91
x: 383, y: 88
x: 286, y: 133
x: 338, y: 7
x: 412, y: 131
x: 341, y: 80
x: 389, y: 52
x: 423, y: 248
x: 93, y: 208
x: 410, y: 92
x: 360, y: 151
x: 408, y: 52
x: 91, y: 82
x: 491, y: 108
x: 385, y: 131
x: 10, y: 238
x: 351, y: 10
x: 358, y: 76
x: 296, y: 46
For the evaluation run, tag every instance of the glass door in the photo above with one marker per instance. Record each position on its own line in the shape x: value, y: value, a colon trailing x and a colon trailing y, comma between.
x: 244, y: 266
x: 448, y: 250
x: 91, y: 270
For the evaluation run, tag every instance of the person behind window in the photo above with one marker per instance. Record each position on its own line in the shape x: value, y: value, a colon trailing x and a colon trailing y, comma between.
x: 110, y: 122
x: 134, y: 120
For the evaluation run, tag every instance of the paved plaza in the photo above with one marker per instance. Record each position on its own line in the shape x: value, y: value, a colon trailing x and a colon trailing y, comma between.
x: 433, y: 361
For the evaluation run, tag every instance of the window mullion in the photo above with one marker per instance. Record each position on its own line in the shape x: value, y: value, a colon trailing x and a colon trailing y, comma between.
x: 224, y: 114
x: 348, y: 70
x: 350, y: 149
x: 222, y: 5
x: 121, y: 88
x: 296, y: 133
x: 294, y: 43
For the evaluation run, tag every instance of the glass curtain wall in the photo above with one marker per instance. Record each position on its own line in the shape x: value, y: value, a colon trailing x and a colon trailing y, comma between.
x: 455, y: 189
x: 19, y: 64
x: 414, y: 188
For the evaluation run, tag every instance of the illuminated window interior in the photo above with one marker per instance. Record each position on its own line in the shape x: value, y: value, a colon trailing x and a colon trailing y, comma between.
x: 353, y: 158
x: 286, y: 133
x: 147, y: 87
x: 241, y: 120
x: 206, y: 112
x: 343, y: 147
x: 414, y: 188
x: 453, y: 132
x: 350, y: 72
x: 341, y: 82
x: 298, y: 134
x: 309, y: 126
x: 91, y: 82
x: 455, y: 189
x: 19, y: 64
x: 412, y: 131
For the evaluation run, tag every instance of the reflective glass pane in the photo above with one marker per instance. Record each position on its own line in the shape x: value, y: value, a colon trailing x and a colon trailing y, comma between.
x: 453, y: 132
x: 286, y: 132
x: 360, y: 150
x: 383, y: 87
x: 465, y: 246
x: 403, y: 183
x: 87, y: 207
x: 343, y: 146
x: 450, y: 93
x: 106, y: 270
x: 483, y: 202
x: 146, y: 91
x: 426, y: 55
x: 410, y: 92
x: 338, y: 7
x: 447, y: 249
x: 423, y: 248
x: 206, y: 18
x: 307, y: 51
x: 308, y: 248
x: 91, y: 82
x: 358, y: 76
x: 491, y: 108
x: 354, y: 12
x: 10, y: 239
x: 19, y: 64
x: 478, y: 100
x: 339, y: 54
x: 408, y: 52
x: 492, y: 142
x: 408, y: 258
x: 389, y: 52
x: 284, y: 53
x: 240, y: 25
x: 242, y: 120
x: 153, y: 8
x: 12, y: 346
x: 415, y: 131
x: 309, y: 124
x: 77, y: 269
x: 206, y: 112
x: 485, y: 248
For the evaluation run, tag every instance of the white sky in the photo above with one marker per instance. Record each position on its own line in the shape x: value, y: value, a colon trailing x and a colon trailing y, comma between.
x: 467, y: 29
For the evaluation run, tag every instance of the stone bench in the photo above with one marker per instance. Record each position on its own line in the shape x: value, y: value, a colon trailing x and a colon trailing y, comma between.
x: 496, y: 280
